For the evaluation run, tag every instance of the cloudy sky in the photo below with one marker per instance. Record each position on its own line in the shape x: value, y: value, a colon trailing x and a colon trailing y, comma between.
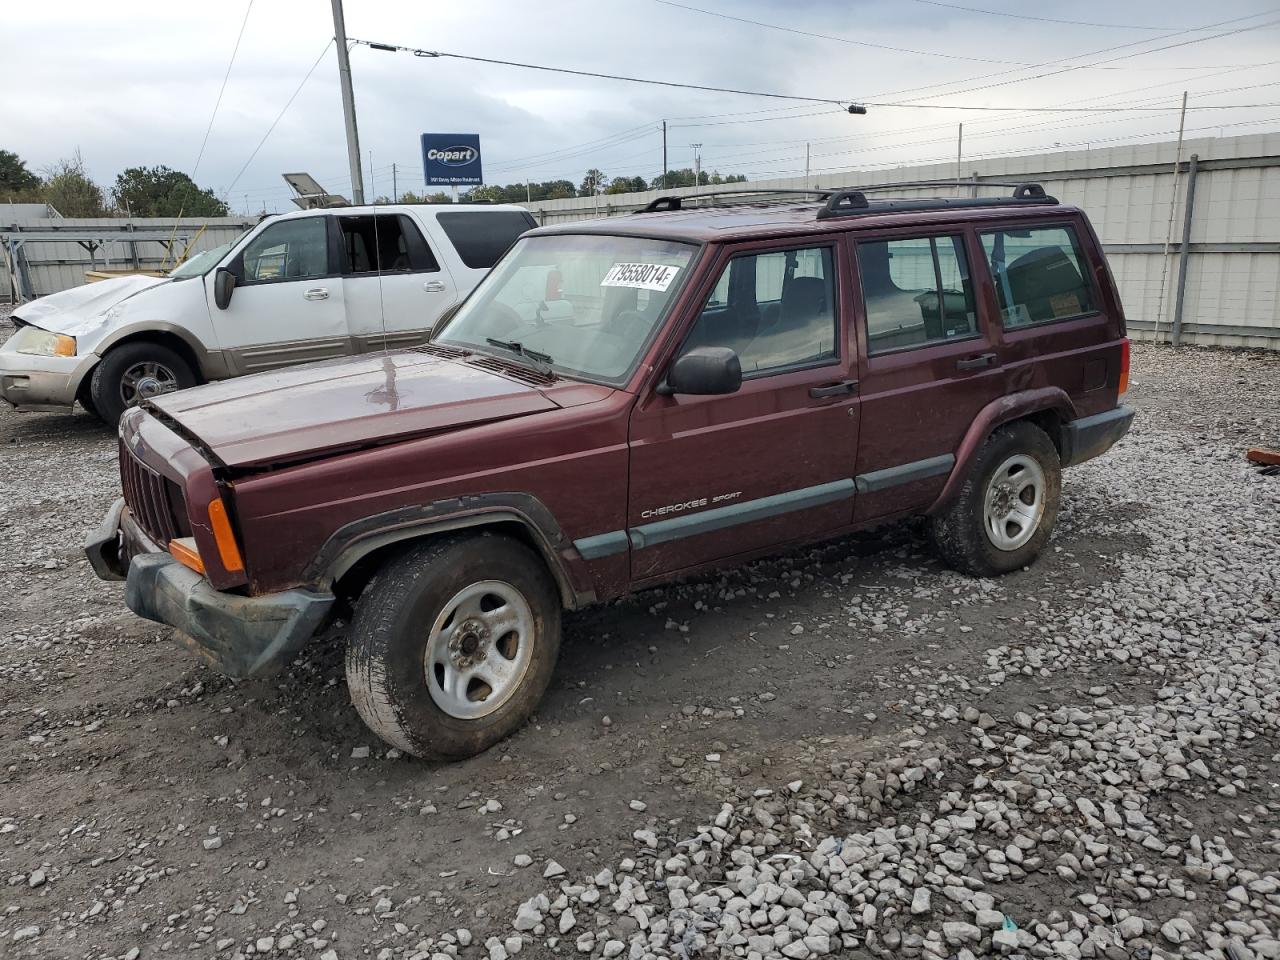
x: 132, y: 83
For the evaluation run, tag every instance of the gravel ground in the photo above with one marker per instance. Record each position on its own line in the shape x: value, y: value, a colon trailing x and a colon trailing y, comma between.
x: 843, y: 751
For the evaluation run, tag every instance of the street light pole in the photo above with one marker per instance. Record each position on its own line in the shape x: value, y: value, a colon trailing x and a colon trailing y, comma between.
x: 348, y: 104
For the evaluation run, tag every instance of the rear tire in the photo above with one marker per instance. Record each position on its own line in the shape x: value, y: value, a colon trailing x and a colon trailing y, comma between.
x: 453, y: 644
x: 134, y: 372
x: 1007, y: 506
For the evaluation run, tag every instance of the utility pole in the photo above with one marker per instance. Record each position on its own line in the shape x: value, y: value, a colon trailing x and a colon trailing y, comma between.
x: 348, y: 104
x: 806, y: 165
x: 528, y: 191
x: 395, y: 190
x: 664, y: 154
x: 959, y: 153
x: 697, y: 164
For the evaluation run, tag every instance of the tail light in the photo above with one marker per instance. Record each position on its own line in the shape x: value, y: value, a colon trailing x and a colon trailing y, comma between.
x: 1124, y: 365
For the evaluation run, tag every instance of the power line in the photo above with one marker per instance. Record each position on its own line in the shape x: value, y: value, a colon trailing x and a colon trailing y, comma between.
x: 222, y: 89
x: 1027, y: 16
x: 920, y: 53
x: 435, y: 54
x: 282, y: 112
x: 837, y: 39
x: 1067, y: 60
x: 1140, y: 53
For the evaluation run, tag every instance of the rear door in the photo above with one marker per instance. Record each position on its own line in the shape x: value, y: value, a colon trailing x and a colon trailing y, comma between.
x: 393, y: 282
x: 1058, y: 327
x: 929, y: 362
x: 287, y: 306
x: 713, y: 477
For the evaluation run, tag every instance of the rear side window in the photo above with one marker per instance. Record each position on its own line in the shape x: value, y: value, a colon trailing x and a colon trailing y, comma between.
x: 917, y: 291
x: 1038, y: 275
x: 388, y: 242
x: 482, y: 237
x: 777, y: 310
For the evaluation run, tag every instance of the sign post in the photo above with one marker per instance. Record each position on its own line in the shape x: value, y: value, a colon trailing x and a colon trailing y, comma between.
x: 451, y: 160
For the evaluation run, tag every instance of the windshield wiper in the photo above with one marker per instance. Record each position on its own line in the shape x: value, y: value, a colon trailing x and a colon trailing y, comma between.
x: 541, y: 362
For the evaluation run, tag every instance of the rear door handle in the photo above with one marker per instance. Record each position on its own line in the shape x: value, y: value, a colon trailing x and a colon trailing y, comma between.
x: 978, y: 362
x: 433, y: 286
x: 316, y: 293
x: 834, y: 390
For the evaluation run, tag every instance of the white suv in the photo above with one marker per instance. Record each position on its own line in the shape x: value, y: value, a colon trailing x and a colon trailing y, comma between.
x: 303, y: 286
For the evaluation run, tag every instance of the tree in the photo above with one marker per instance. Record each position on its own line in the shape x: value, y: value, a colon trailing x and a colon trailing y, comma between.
x: 70, y: 190
x: 161, y: 192
x: 593, y: 182
x: 628, y: 185
x: 16, y: 181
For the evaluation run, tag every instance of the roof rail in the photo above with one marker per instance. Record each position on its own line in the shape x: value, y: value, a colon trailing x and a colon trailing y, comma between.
x: 668, y: 202
x: 847, y: 203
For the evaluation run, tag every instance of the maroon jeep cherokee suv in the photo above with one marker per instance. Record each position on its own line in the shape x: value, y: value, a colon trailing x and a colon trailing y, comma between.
x: 619, y: 403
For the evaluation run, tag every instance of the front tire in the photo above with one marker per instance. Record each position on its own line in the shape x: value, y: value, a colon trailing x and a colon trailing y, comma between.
x: 1007, y: 506
x: 132, y: 373
x: 453, y: 645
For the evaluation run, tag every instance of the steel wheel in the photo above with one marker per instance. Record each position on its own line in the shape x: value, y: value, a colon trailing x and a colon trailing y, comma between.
x: 1014, y: 502
x: 479, y: 649
x: 146, y: 379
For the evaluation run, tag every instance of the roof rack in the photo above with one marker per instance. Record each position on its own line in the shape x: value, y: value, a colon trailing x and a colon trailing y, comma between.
x: 669, y: 202
x: 850, y: 201
x: 846, y: 203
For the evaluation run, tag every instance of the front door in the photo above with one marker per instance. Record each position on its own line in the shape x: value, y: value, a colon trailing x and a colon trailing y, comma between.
x: 930, y: 362
x: 713, y: 477
x: 287, y: 305
x: 394, y: 285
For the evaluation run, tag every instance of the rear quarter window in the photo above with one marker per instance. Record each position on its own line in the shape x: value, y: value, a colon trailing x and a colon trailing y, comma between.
x: 481, y: 237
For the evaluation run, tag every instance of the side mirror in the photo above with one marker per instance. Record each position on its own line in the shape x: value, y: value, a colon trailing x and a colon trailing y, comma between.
x: 704, y: 371
x: 224, y: 282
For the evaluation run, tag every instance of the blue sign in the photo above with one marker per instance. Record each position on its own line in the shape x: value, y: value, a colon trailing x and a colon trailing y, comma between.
x: 451, y: 159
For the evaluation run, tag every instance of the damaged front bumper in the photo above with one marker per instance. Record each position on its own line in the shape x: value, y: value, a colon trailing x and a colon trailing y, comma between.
x: 241, y: 636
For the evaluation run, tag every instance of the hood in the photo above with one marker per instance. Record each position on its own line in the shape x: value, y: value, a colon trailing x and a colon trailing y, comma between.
x: 322, y: 408
x: 78, y: 310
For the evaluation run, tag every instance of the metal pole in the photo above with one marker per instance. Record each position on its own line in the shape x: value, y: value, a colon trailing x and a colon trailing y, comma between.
x: 348, y: 104
x: 395, y: 190
x: 1173, y: 206
x: 697, y: 165
x: 959, y: 154
x: 1185, y: 252
x: 806, y: 165
x: 664, y: 154
x: 528, y: 191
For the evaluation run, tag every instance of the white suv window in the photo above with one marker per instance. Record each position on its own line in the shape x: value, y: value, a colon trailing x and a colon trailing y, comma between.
x: 289, y: 250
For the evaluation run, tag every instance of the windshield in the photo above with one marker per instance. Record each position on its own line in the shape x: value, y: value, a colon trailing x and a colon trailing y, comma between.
x: 201, y: 263
x: 584, y: 305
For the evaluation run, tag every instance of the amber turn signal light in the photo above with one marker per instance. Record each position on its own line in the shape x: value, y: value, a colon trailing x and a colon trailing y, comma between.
x: 185, y: 552
x: 1124, y: 365
x: 225, y: 537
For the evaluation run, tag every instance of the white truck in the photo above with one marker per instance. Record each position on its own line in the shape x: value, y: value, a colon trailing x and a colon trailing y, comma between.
x: 303, y: 286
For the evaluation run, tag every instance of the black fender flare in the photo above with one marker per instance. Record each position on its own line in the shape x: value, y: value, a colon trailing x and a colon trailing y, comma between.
x: 351, y: 543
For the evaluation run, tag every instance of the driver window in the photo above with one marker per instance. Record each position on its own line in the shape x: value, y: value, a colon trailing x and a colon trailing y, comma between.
x: 289, y: 250
x: 776, y: 310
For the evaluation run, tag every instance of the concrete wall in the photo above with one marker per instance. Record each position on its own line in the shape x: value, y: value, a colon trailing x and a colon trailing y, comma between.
x: 55, y: 266
x: 1233, y: 260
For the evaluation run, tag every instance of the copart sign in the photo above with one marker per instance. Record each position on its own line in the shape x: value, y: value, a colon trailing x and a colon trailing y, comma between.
x: 451, y: 159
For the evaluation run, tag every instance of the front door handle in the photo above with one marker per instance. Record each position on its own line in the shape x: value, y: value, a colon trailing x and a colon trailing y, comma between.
x: 977, y: 363
x: 433, y: 286
x: 316, y: 293
x: 834, y: 390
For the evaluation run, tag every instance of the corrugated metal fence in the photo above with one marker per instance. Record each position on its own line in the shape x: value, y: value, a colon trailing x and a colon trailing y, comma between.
x: 1224, y: 258
x: 50, y: 264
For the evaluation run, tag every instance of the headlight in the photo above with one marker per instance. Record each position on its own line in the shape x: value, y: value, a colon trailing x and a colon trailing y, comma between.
x: 42, y: 343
